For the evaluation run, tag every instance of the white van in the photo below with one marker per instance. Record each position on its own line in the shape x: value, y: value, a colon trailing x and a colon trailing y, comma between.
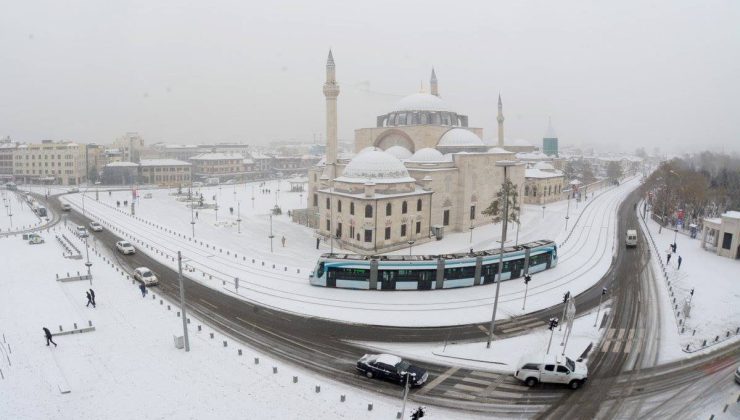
x: 631, y: 240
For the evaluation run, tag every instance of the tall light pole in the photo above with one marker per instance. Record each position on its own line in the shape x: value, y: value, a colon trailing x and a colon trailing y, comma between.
x: 471, y: 233
x: 239, y: 216
x: 405, y: 395
x: 567, y: 209
x: 88, y: 264
x: 271, y: 235
x: 543, y: 211
x: 411, y: 245
x: 182, y: 301
x: 192, y: 208
x: 504, y: 164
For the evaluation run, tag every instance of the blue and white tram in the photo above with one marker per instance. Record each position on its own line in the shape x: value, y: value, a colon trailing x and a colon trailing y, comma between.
x: 427, y: 272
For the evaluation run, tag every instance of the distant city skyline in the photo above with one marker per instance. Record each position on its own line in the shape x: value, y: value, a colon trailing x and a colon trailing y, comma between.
x: 614, y: 76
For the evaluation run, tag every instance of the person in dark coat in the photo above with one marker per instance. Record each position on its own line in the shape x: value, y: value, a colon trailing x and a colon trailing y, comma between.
x: 47, y: 334
x: 679, y: 262
x: 89, y: 299
x: 142, y: 287
x: 92, y: 292
x: 668, y: 259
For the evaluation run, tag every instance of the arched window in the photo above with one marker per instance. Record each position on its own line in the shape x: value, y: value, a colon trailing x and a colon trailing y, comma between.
x: 526, y: 190
x: 388, y: 209
x: 368, y: 211
x: 339, y: 206
x: 352, y: 208
x: 404, y: 208
x: 418, y: 205
x: 328, y: 202
x: 549, y: 190
x: 534, y: 191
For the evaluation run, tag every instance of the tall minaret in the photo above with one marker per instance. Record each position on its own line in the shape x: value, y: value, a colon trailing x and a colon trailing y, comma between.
x: 500, y: 120
x: 433, y: 84
x: 331, y: 91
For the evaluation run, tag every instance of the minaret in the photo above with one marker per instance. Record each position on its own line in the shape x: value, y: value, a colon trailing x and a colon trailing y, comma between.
x: 550, y: 140
x: 331, y: 91
x: 500, y: 120
x: 433, y: 84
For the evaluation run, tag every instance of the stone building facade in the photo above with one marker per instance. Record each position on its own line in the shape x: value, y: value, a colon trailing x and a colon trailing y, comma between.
x: 50, y: 162
x: 543, y: 184
x: 165, y: 172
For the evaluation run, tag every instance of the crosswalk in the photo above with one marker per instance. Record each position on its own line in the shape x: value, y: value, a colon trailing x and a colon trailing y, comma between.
x: 523, y: 324
x: 617, y: 340
x: 479, y: 385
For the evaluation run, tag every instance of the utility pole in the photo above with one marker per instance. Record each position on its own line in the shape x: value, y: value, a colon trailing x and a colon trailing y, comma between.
x: 405, y: 395
x: 182, y: 301
x: 271, y: 235
x: 567, y: 210
x: 239, y: 216
x: 505, y: 164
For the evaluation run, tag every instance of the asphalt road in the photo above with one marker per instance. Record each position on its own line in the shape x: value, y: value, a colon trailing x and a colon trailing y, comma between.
x: 321, y: 346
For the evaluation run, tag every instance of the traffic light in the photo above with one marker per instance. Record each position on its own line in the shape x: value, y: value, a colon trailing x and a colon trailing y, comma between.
x: 692, y: 292
x: 603, y: 291
x: 527, y: 279
x: 566, y: 296
x: 553, y: 323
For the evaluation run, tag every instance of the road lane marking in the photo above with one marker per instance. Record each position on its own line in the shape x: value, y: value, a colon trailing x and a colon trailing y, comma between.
x: 617, y: 345
x: 609, y: 334
x: 605, y: 346
x: 482, y: 328
x: 476, y: 381
x: 209, y: 303
x: 621, y: 334
x: 485, y: 374
x: 468, y: 388
x: 455, y: 394
x: 438, y: 380
x: 524, y: 326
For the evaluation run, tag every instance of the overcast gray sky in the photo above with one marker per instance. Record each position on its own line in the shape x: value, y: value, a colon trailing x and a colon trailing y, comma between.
x: 625, y: 73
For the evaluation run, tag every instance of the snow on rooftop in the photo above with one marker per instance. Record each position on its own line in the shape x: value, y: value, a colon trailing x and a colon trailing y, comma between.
x: 163, y: 162
x: 122, y: 164
x: 421, y: 102
x: 732, y: 214
x: 538, y: 173
x: 217, y: 156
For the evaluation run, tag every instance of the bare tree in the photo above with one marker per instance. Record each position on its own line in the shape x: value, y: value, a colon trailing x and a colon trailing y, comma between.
x: 495, y: 209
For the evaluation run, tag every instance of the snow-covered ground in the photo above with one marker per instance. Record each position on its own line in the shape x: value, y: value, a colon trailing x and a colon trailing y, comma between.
x: 23, y: 217
x: 714, y: 306
x: 128, y: 366
x: 219, y: 254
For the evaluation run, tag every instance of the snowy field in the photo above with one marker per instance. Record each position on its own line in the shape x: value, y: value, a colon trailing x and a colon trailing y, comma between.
x: 128, y: 366
x: 23, y: 217
x: 715, y: 308
x: 219, y: 254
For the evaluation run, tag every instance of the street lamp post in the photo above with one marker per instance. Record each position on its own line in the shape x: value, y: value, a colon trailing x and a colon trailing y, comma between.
x: 504, y: 164
x: 88, y: 264
x: 543, y: 211
x: 271, y: 235
x: 405, y: 395
x: 239, y: 216
x: 471, y: 232
x: 411, y: 244
x: 567, y: 210
x: 182, y: 301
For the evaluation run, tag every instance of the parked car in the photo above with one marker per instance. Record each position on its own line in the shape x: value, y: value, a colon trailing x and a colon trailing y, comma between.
x: 552, y: 369
x: 125, y: 248
x: 66, y: 207
x: 145, y: 276
x: 81, y: 232
x: 198, y: 184
x: 631, y: 239
x: 391, y: 368
x: 35, y: 239
x: 96, y: 227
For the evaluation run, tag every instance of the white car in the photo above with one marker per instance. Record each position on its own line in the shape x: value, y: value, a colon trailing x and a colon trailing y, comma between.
x: 66, y: 207
x: 81, y: 232
x: 125, y: 248
x: 145, y: 276
x: 96, y: 227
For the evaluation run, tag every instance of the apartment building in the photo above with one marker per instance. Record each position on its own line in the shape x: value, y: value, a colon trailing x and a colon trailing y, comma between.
x: 165, y: 172
x: 50, y: 162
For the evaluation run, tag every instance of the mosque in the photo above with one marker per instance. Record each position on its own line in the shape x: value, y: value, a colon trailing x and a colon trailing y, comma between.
x: 421, y: 170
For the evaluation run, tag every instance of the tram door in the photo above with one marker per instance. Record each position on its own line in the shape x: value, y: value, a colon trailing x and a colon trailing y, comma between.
x: 516, y: 268
x: 388, y: 280
x: 425, y: 279
x: 331, y: 278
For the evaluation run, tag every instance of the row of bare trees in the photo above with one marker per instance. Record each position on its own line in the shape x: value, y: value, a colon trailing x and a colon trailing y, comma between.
x: 703, y: 185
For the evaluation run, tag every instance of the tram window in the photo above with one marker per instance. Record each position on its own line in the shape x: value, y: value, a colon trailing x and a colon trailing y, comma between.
x: 349, y: 273
x: 459, y: 272
x: 320, y: 270
x: 414, y: 275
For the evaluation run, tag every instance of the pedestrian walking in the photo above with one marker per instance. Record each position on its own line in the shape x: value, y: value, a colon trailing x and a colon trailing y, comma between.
x: 679, y: 262
x: 142, y: 287
x: 47, y: 334
x: 196, y: 214
x: 318, y: 240
x: 675, y: 246
x: 92, y: 294
x: 89, y: 300
x: 668, y: 259
x: 283, y: 241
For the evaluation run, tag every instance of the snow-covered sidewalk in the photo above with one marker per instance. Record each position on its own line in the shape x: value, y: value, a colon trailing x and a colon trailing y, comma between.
x: 128, y: 366
x: 22, y: 216
x: 714, y: 316
x: 583, y: 259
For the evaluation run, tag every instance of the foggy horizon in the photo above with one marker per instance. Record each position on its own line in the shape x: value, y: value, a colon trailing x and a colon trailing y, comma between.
x: 613, y: 76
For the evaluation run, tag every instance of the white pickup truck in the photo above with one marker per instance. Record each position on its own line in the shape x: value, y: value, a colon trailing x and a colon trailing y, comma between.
x: 553, y: 370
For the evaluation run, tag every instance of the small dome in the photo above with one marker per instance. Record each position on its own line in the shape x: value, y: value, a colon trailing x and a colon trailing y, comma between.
x: 399, y: 151
x: 459, y: 137
x: 427, y: 154
x: 497, y: 150
x: 421, y: 102
x: 544, y: 166
x: 375, y: 165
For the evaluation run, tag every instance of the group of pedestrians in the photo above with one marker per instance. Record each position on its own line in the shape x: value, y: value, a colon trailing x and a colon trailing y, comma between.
x: 672, y: 250
x: 90, y: 298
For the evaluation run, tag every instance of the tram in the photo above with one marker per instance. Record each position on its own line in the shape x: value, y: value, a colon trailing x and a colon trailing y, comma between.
x: 427, y: 272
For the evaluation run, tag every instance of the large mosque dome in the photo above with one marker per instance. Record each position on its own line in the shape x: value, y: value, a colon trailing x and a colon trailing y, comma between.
x: 459, y: 137
x: 399, y: 151
x: 427, y: 154
x: 421, y: 102
x: 377, y: 166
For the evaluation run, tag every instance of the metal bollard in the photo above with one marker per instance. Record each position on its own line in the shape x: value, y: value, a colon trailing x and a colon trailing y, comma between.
x: 161, y: 302
x: 188, y: 321
x: 239, y: 352
x: 89, y: 323
x: 295, y: 379
x: 168, y: 307
x: 211, y: 335
x: 274, y: 369
x: 369, y: 406
x: 342, y: 398
x: 225, y: 344
x: 318, y: 388
x: 256, y: 360
x: 178, y: 314
x: 75, y: 324
x: 199, y: 327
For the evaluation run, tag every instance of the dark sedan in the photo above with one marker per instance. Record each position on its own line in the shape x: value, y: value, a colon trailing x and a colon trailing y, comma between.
x: 391, y: 368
